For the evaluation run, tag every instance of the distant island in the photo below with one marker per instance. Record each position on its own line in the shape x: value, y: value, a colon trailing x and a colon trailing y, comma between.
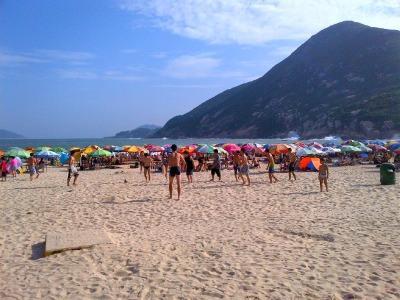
x: 343, y: 81
x: 6, y: 134
x: 143, y: 131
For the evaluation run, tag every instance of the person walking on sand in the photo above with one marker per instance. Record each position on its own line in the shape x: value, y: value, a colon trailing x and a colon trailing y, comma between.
x: 271, y: 167
x: 216, y: 166
x: 236, y: 161
x: 323, y: 175
x: 292, y: 163
x: 32, y: 167
x: 147, y: 165
x: 175, y: 160
x: 244, y: 167
x: 3, y: 169
x: 72, y: 170
x: 141, y: 156
x: 189, y: 166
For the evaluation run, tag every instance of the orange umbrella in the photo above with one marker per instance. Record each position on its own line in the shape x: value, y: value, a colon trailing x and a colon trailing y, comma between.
x: 1, y: 152
x: 188, y: 148
x: 279, y: 149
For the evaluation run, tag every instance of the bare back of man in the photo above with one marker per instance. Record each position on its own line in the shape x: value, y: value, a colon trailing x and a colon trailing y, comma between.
x: 175, y: 160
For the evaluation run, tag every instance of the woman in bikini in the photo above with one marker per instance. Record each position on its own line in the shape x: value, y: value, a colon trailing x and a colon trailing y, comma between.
x: 323, y: 175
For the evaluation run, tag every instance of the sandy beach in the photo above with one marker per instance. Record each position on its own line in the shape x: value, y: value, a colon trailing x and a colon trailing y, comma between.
x: 222, y: 240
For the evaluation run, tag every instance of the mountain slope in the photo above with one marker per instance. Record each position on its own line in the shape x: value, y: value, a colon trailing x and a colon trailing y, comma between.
x: 345, y: 80
x: 6, y: 134
x: 139, y: 132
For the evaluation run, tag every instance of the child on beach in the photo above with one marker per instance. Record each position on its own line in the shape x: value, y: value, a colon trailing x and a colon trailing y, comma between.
x: 323, y: 175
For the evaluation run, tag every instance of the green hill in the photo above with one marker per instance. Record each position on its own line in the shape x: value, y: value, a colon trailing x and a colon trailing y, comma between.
x: 345, y: 81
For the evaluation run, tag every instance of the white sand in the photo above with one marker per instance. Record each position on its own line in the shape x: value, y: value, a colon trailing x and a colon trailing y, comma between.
x: 280, y: 241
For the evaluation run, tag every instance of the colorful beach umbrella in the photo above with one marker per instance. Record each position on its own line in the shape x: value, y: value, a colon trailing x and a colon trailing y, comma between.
x: 205, y: 149
x: 17, y: 152
x: 100, y: 153
x: 90, y: 149
x: 350, y: 149
x: 1, y: 152
x: 155, y: 149
x: 42, y: 148
x: 47, y: 154
x: 231, y: 148
x: 64, y: 156
x: 58, y: 149
x: 279, y: 149
x: 132, y: 149
x: 74, y: 149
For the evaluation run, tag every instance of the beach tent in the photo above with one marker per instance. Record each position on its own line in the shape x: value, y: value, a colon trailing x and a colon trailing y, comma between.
x: 100, y: 153
x: 309, y: 164
x: 47, y: 154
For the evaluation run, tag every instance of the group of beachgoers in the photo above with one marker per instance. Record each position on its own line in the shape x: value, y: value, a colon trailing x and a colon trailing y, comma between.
x: 175, y: 163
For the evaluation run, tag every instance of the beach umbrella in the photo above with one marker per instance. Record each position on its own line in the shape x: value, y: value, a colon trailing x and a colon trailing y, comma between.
x: 155, y: 148
x: 397, y: 151
x: 205, y: 149
x: 64, y: 156
x: 42, y: 148
x: 132, y: 149
x: 221, y: 150
x: 316, y: 151
x: 247, y: 147
x: 17, y: 152
x: 231, y: 148
x: 1, y: 152
x: 74, y: 149
x: 377, y: 148
x: 47, y: 154
x: 189, y: 148
x: 90, y: 149
x: 109, y: 147
x: 330, y: 150
x: 303, y: 152
x: 266, y: 146
x: 58, y: 149
x: 100, y: 153
x: 279, y: 149
x: 300, y: 144
x: 315, y: 145
x: 364, y: 148
x: 350, y: 149
x: 30, y: 149
x: 394, y: 146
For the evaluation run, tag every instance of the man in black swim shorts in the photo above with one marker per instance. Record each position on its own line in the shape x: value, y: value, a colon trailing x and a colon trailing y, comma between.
x: 175, y: 161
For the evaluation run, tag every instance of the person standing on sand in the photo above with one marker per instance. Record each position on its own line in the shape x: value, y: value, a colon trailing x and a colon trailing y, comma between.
x: 32, y: 166
x: 147, y: 164
x: 292, y: 163
x: 141, y: 156
x: 271, y: 166
x: 323, y: 175
x: 189, y: 166
x: 72, y: 170
x: 3, y: 168
x: 216, y: 166
x: 175, y: 160
x: 236, y: 161
x: 244, y: 167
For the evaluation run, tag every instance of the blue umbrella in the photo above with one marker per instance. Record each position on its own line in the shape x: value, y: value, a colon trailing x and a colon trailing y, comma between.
x: 47, y: 154
x: 64, y: 157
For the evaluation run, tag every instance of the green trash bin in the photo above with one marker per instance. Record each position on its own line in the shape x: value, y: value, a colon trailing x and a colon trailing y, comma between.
x: 388, y: 174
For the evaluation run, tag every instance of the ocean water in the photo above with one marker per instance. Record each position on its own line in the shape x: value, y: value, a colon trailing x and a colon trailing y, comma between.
x: 67, y: 143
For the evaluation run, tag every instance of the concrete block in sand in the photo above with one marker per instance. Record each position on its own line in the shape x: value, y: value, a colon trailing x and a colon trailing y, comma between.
x: 73, y: 240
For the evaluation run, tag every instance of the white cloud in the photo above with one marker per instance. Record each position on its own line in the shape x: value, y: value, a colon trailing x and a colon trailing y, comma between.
x: 191, y: 66
x: 261, y: 21
x: 17, y: 59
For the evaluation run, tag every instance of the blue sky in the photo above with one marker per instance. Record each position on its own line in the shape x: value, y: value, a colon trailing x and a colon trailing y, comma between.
x: 85, y: 68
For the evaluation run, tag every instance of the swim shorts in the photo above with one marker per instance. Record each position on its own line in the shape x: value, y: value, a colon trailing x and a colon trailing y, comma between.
x: 174, y: 171
x: 271, y: 170
x: 244, y: 170
x: 291, y: 167
x: 216, y: 171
